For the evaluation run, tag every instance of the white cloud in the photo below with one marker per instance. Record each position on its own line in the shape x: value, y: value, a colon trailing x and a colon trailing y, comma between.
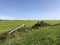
x: 8, y: 18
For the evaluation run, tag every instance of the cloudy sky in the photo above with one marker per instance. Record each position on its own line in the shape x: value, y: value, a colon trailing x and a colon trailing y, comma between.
x: 30, y: 9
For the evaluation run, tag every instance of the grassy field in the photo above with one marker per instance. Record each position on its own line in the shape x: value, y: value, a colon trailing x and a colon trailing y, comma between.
x: 8, y: 25
x: 41, y: 36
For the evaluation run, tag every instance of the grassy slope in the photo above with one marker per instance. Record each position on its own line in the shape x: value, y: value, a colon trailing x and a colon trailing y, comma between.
x: 41, y: 36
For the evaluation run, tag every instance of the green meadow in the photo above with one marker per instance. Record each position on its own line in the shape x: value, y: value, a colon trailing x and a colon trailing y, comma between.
x: 10, y: 24
x: 42, y: 36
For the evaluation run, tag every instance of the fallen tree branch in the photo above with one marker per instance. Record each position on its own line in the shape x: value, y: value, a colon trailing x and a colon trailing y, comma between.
x: 23, y: 25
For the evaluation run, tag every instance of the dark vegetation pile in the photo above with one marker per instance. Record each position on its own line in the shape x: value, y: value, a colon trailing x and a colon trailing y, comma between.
x: 42, y: 24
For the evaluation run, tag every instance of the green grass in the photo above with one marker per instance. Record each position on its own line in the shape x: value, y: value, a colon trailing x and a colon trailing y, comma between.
x: 8, y: 25
x: 41, y: 36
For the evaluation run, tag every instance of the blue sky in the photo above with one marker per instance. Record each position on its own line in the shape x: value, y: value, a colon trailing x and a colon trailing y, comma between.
x: 30, y: 9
